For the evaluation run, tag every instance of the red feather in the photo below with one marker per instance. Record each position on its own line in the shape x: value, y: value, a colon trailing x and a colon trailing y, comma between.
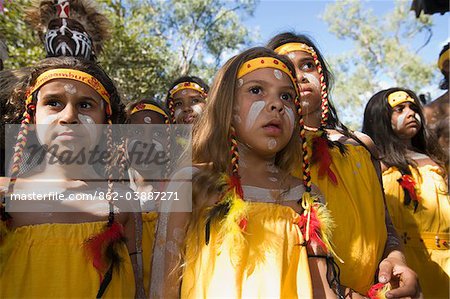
x: 235, y: 182
x: 314, y: 228
x: 97, y: 244
x: 378, y: 291
x: 321, y: 154
x: 408, y: 183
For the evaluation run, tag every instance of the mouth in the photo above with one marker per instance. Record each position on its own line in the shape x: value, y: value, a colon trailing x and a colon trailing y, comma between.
x: 68, y: 136
x: 189, y: 118
x: 305, y: 91
x: 274, y: 127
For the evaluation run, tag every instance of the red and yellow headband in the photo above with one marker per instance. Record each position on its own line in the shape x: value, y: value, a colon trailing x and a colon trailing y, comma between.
x: 398, y: 97
x: 292, y: 47
x: 148, y: 107
x: 187, y: 85
x: 71, y: 74
x: 442, y: 58
x: 266, y: 62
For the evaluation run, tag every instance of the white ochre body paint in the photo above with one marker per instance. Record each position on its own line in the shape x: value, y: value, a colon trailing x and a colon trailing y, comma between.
x: 271, y: 144
x: 197, y: 109
x: 253, y: 113
x: 148, y: 120
x: 291, y: 117
x: 70, y: 88
x: 278, y: 74
x: 401, y: 120
x: 177, y: 112
x: 313, y: 80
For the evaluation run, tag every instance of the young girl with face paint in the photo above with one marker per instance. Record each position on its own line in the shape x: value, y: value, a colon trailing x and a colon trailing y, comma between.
x: 146, y: 118
x: 81, y: 252
x: 186, y: 99
x: 345, y: 169
x: 415, y: 184
x: 252, y: 224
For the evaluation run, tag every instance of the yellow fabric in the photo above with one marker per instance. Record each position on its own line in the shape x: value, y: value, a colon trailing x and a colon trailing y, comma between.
x: 292, y: 47
x: 418, y: 230
x: 399, y: 97
x: 48, y: 261
x: 149, y: 221
x: 356, y: 205
x: 270, y: 263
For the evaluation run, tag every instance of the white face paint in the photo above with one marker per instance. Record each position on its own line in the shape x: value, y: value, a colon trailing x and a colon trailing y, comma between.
x: 86, y: 119
x: 237, y: 118
x: 70, y: 89
x: 177, y: 112
x: 43, y: 127
x: 184, y: 91
x: 272, y: 179
x: 278, y: 74
x: 313, y: 80
x: 291, y: 117
x: 291, y: 55
x: 271, y: 144
x: 197, y: 109
x: 148, y: 120
x: 240, y: 82
x: 401, y: 120
x: 304, y: 103
x: 91, y: 128
x: 272, y: 168
x: 253, y: 113
x: 417, y: 117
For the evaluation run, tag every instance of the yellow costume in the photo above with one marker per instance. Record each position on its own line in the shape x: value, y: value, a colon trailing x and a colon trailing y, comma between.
x: 149, y: 221
x: 267, y: 260
x: 356, y: 205
x: 49, y: 261
x: 425, y: 233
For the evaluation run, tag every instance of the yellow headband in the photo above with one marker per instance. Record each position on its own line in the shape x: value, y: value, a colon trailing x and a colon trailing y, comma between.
x: 187, y: 85
x: 72, y: 75
x: 148, y: 107
x: 292, y: 47
x: 266, y: 62
x: 398, y: 97
x: 442, y: 59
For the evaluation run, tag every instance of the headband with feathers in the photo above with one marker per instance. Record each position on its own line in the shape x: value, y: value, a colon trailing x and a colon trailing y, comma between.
x: 84, y: 12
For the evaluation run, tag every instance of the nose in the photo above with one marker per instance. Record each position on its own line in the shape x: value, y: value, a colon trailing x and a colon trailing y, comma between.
x: 275, y: 104
x: 187, y: 108
x: 69, y: 115
x: 301, y: 78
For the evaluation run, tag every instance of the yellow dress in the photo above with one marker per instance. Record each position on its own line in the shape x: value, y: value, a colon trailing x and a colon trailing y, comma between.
x: 48, y: 261
x: 357, y: 207
x: 268, y: 262
x: 425, y: 233
x: 149, y: 221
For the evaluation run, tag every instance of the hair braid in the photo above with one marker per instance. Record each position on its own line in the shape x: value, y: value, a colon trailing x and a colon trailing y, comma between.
x: 109, y: 172
x: 305, y: 165
x: 171, y: 109
x: 169, y: 147
x: 323, y: 90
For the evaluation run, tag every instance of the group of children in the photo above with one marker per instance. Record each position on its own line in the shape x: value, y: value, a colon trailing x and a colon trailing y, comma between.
x: 287, y: 202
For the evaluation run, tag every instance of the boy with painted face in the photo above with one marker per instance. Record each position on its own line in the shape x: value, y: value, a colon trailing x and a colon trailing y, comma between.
x: 414, y: 180
x: 186, y: 99
x: 251, y: 226
x: 84, y: 240
x: 345, y: 169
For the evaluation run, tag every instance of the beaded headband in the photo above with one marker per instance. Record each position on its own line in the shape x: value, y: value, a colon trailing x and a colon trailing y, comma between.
x: 398, y: 97
x: 148, y: 107
x: 442, y: 58
x: 266, y: 62
x: 72, y: 75
x: 186, y: 85
x: 292, y: 47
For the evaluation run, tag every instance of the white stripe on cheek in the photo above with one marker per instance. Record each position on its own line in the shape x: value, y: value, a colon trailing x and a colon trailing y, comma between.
x: 253, y: 113
x: 43, y: 127
x: 197, y: 109
x: 177, y: 112
x: 313, y: 80
x: 417, y: 117
x: 401, y: 120
x: 89, y: 123
x: 291, y: 117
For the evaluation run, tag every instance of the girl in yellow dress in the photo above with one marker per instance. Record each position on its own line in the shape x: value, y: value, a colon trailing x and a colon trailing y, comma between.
x: 146, y: 118
x: 252, y: 224
x: 65, y: 248
x: 415, y: 184
x: 345, y: 169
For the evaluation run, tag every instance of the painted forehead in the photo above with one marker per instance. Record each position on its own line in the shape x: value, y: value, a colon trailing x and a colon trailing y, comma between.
x: 71, y: 87
x: 187, y: 93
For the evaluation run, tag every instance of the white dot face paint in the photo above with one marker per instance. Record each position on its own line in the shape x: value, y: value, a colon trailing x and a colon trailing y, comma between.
x: 184, y: 92
x: 86, y: 119
x: 313, y: 80
x: 278, y: 74
x: 291, y: 117
x: 271, y: 144
x: 304, y: 103
x: 237, y: 119
x: 70, y: 89
x: 147, y: 120
x: 92, y: 128
x: 272, y: 179
x: 253, y: 113
x: 291, y: 55
x: 240, y: 82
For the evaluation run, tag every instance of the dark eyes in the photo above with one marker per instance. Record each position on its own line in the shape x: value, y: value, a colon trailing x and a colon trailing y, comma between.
x: 255, y: 90
x: 286, y: 97
x: 307, y: 66
x: 177, y: 104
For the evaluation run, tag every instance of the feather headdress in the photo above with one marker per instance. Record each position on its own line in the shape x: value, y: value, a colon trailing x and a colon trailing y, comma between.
x: 43, y: 14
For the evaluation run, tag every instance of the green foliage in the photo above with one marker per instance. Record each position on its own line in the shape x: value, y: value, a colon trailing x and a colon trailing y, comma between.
x: 152, y: 42
x: 383, y: 53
